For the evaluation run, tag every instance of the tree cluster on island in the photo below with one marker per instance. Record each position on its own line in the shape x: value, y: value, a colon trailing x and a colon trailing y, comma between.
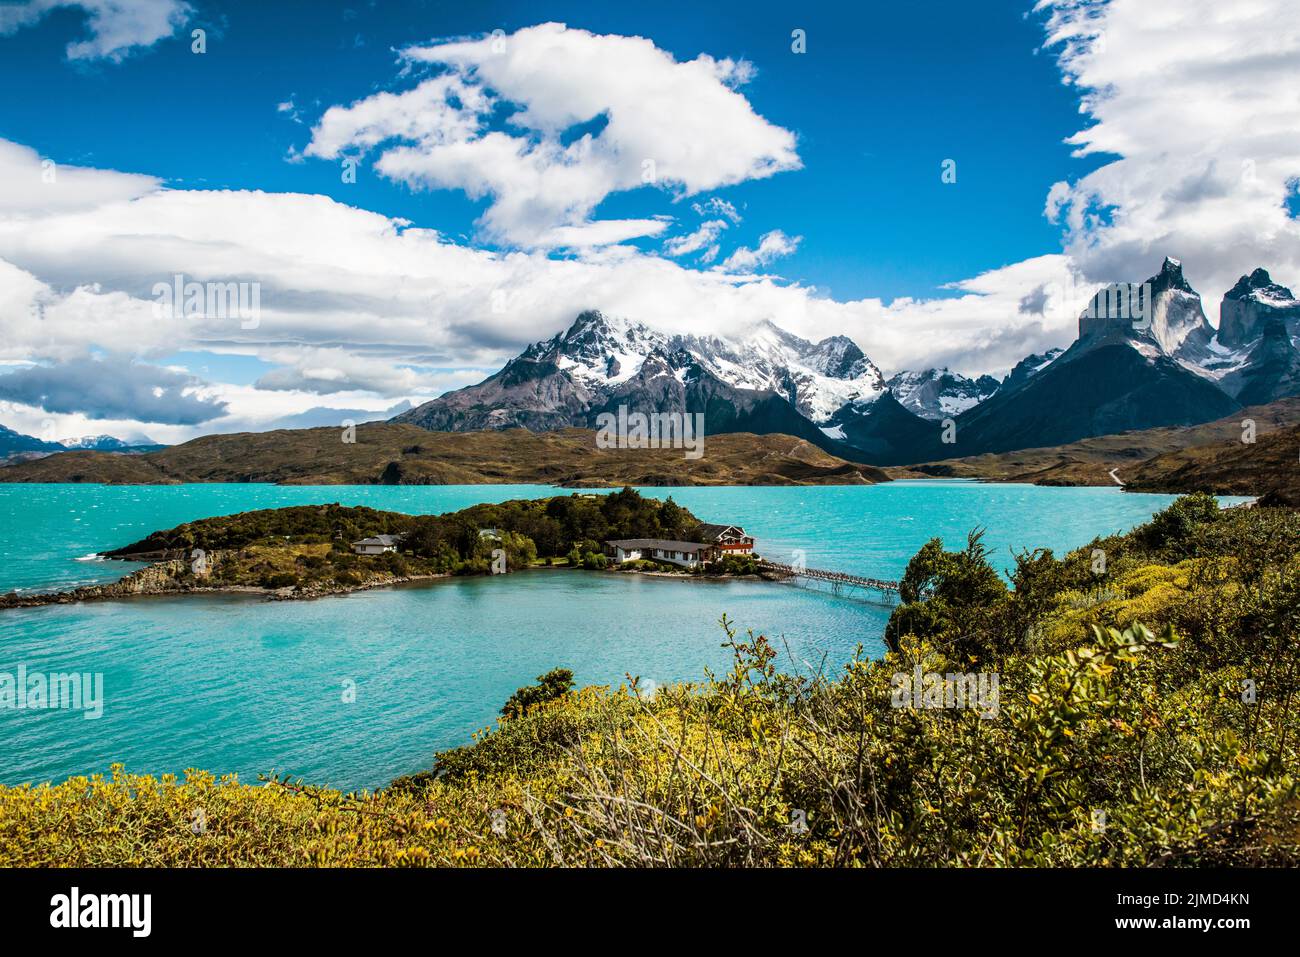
x: 309, y: 547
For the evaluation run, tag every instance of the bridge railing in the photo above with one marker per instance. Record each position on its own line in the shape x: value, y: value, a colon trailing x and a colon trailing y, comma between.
x: 831, y: 576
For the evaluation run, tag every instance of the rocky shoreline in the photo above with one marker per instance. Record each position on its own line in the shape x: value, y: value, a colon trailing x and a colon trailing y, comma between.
x: 161, y: 578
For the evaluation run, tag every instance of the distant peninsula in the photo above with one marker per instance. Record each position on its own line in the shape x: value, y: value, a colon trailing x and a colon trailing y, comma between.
x: 384, y: 453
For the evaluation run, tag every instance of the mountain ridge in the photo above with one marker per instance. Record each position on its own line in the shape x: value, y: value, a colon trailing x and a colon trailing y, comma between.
x: 1145, y: 356
x: 397, y: 454
x: 15, y: 445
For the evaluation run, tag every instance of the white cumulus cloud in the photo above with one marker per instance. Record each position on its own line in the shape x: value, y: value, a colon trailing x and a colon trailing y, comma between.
x: 116, y: 27
x: 681, y: 126
x: 771, y: 247
x: 705, y: 237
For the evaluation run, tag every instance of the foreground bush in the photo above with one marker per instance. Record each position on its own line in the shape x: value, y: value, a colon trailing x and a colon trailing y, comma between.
x: 1169, y: 740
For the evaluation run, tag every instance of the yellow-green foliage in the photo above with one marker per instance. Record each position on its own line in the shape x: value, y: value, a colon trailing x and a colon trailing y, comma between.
x: 1115, y: 747
x: 723, y: 773
x: 302, y: 565
x: 1142, y: 594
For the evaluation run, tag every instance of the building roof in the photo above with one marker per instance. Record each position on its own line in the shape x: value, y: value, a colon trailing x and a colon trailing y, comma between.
x: 385, y: 540
x: 661, y: 543
x: 711, y: 532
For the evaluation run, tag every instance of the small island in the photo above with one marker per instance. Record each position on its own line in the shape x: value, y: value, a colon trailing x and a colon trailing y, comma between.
x: 309, y: 551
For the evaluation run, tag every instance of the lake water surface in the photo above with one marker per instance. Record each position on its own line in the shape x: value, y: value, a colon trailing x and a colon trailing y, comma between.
x: 237, y: 684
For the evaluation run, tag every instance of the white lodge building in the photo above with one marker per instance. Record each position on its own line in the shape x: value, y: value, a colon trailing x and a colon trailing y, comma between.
x: 377, y: 545
x: 719, y: 541
x: 686, y: 554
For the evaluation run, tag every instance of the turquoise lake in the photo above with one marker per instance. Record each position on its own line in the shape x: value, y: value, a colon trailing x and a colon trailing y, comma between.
x: 238, y: 684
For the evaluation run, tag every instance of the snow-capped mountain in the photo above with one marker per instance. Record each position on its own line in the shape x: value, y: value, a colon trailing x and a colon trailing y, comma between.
x: 565, y: 380
x: 101, y: 443
x: 1271, y: 368
x: 600, y: 351
x: 601, y: 361
x: 1255, y: 358
x: 940, y: 393
x: 1145, y: 356
x: 1029, y: 366
x: 817, y: 378
x: 1172, y: 324
x: 15, y: 445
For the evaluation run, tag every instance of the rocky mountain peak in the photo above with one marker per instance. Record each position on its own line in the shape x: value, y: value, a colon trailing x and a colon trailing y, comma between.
x: 601, y: 359
x: 1029, y: 366
x: 1273, y: 366
x: 817, y: 379
x: 1260, y: 277
x: 939, y: 393
x: 593, y: 331
x: 1260, y: 285
x: 838, y: 357
x: 1248, y: 306
x: 598, y: 349
x: 585, y: 321
x: 1159, y: 317
x: 1170, y: 277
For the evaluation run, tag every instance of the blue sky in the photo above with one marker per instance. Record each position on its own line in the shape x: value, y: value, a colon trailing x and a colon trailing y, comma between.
x: 884, y: 94
x: 501, y: 149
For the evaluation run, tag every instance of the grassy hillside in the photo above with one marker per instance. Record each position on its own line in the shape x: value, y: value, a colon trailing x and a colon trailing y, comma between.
x: 1088, y: 462
x: 1146, y: 714
x: 1270, y: 466
x: 396, y: 454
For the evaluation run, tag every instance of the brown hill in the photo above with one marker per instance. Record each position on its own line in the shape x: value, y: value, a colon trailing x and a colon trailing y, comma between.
x: 398, y: 454
x: 1166, y: 459
x: 1269, y: 467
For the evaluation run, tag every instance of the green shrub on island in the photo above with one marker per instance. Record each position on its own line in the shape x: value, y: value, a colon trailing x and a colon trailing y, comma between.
x: 279, y: 580
x: 588, y: 558
x: 556, y: 683
x: 648, y: 565
x: 733, y: 565
x: 521, y: 551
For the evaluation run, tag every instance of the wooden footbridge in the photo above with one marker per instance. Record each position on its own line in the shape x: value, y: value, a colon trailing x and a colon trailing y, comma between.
x: 838, y: 580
